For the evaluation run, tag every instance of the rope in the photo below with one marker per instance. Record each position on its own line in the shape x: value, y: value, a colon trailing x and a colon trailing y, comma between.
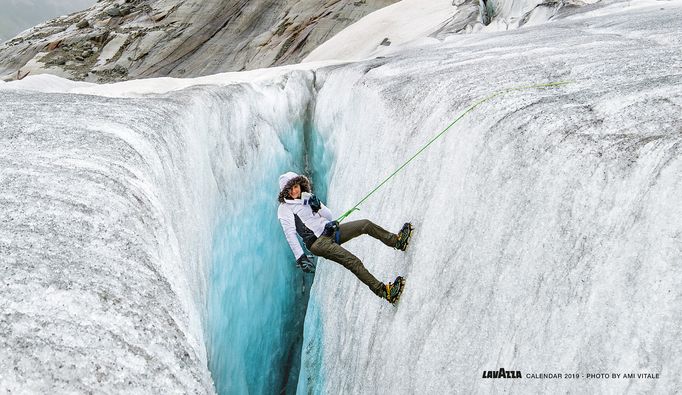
x: 468, y: 110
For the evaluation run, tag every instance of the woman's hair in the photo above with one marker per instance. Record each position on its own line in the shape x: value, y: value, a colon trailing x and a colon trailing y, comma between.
x: 302, y: 181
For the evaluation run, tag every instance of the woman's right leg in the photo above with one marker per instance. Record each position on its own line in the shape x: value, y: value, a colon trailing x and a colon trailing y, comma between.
x: 326, y: 248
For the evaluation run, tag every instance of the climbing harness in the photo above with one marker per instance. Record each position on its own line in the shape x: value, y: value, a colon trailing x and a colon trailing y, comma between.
x: 468, y: 110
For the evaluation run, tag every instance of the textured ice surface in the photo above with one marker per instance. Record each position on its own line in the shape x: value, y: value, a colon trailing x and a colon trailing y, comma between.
x: 548, y: 226
x: 109, y: 210
x: 100, y: 287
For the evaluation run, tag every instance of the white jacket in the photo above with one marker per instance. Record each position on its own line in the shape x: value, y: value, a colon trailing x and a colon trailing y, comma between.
x: 296, y: 216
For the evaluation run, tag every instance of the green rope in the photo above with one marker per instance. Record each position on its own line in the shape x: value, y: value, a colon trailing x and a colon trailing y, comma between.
x: 468, y: 110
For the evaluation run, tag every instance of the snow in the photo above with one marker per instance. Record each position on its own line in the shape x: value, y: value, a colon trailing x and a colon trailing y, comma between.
x: 352, y: 43
x: 414, y: 23
x: 411, y: 23
x: 140, y: 246
x: 48, y: 83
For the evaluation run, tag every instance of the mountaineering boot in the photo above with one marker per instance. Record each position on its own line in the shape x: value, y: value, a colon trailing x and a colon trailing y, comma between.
x: 392, y: 291
x: 404, y: 237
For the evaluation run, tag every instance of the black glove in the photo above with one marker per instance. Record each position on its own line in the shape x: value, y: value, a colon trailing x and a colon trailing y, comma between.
x: 330, y: 228
x: 305, y: 264
x: 314, y: 203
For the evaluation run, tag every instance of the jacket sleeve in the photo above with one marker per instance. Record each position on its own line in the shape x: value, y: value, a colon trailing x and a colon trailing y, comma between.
x: 325, y: 212
x: 286, y: 219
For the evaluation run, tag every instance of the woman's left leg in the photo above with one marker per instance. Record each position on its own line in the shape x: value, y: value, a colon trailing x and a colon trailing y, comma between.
x: 354, y: 229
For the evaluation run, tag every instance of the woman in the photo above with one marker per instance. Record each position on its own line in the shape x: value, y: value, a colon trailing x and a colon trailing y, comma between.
x: 301, y: 212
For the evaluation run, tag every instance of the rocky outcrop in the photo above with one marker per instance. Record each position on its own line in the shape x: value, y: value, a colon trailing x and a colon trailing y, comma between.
x: 127, y: 39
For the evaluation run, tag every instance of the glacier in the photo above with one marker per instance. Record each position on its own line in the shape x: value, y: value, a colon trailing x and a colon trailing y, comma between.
x: 140, y: 245
x: 111, y: 209
x: 547, y: 230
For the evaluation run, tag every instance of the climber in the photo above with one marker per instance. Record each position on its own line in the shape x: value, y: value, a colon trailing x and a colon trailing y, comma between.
x: 301, y: 212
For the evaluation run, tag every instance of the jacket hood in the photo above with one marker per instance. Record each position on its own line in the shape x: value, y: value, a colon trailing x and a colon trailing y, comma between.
x: 289, y: 179
x: 285, y: 178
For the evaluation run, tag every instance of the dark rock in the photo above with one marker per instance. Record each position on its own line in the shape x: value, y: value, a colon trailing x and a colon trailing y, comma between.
x: 80, y: 58
x: 386, y: 42
x: 54, y: 45
x: 113, y: 11
x: 193, y: 34
x: 118, y: 69
x: 100, y: 37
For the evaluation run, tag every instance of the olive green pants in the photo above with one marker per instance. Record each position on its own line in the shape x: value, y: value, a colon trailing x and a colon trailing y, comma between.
x: 325, y: 247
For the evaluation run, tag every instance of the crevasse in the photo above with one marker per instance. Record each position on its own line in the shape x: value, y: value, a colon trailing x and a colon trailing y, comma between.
x: 257, y: 298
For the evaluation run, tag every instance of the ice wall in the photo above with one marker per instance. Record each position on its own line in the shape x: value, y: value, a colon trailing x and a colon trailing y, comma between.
x: 547, y: 221
x: 111, y: 208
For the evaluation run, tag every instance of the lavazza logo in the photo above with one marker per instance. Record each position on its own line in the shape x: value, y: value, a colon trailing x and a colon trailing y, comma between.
x: 501, y: 374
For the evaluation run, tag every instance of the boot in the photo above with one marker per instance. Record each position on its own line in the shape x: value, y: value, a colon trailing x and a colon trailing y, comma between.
x: 404, y: 237
x: 392, y: 291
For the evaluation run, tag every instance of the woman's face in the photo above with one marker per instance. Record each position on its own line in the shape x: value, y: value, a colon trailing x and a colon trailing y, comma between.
x: 295, y: 191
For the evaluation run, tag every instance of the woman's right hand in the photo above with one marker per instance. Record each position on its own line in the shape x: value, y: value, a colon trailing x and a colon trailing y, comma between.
x: 314, y: 203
